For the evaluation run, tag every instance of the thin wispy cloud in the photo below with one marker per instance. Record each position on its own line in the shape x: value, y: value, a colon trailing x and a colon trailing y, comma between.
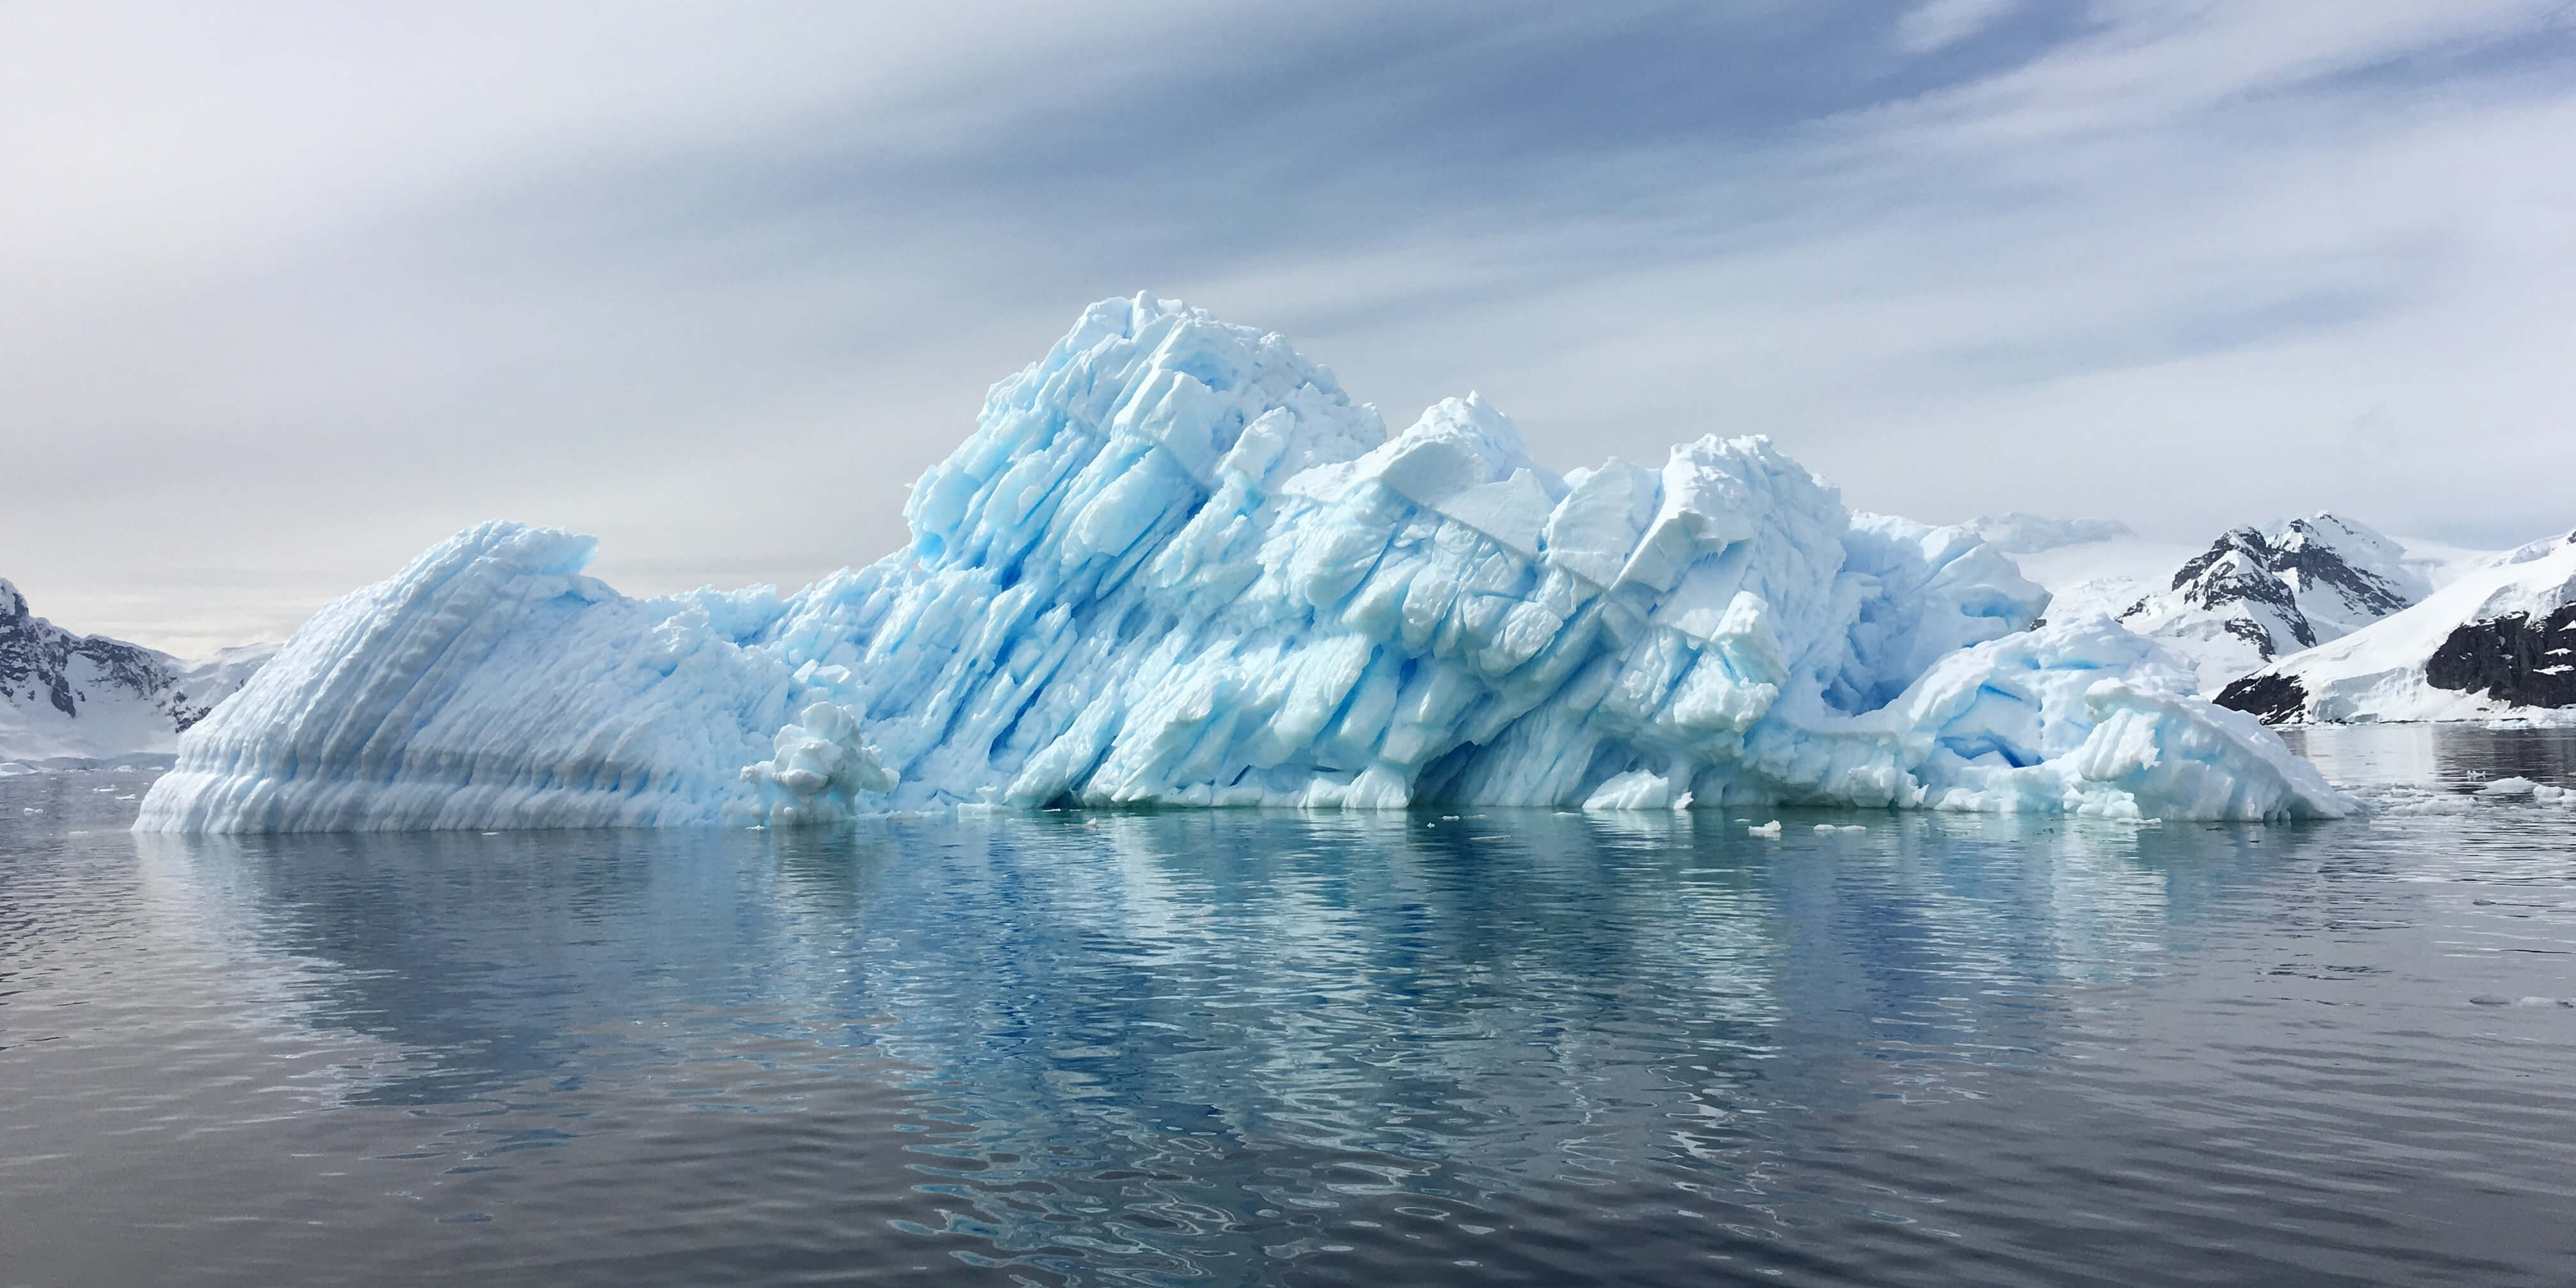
x: 290, y: 298
x: 1936, y: 24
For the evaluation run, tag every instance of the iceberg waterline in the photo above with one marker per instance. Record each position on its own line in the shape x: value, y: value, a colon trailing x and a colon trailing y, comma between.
x: 1175, y: 564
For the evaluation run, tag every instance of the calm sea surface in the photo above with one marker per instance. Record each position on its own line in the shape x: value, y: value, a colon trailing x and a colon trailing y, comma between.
x: 1450, y: 1047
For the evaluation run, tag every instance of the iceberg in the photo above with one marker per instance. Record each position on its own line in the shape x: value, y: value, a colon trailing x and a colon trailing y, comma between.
x: 1176, y: 565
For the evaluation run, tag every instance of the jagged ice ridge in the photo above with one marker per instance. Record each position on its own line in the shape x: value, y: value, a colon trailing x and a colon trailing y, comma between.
x: 1175, y: 564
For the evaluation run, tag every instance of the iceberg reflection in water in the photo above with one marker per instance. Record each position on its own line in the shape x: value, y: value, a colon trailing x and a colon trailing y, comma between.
x: 1225, y: 1047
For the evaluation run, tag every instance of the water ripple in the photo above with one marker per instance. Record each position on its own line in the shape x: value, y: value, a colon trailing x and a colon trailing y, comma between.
x: 1243, y: 1048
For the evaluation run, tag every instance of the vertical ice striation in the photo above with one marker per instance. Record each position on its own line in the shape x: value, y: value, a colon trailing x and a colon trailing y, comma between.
x: 492, y: 684
x: 1175, y: 564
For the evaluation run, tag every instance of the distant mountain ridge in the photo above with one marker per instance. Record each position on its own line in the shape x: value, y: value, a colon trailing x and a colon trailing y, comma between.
x: 2500, y: 642
x: 2312, y: 580
x: 66, y: 696
x: 2250, y: 596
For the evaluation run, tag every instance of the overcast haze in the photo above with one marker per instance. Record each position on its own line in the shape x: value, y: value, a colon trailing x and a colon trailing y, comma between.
x: 289, y: 292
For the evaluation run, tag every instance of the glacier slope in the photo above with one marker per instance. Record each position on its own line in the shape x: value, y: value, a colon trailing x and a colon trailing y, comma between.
x: 1174, y: 564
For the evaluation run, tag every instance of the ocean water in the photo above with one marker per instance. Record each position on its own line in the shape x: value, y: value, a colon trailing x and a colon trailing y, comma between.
x: 1448, y: 1047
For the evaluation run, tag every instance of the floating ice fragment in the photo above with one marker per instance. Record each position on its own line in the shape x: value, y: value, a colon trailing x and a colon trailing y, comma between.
x: 2514, y: 788
x: 816, y: 770
x: 2431, y: 805
x: 1771, y: 828
x: 1639, y: 789
x: 988, y: 800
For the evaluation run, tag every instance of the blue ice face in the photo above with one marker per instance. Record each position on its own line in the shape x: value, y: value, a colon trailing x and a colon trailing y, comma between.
x: 1176, y: 565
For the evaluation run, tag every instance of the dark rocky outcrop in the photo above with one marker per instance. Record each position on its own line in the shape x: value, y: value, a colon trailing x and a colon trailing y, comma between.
x: 2513, y: 658
x: 38, y: 657
x: 2269, y: 697
x: 2236, y: 569
x: 2308, y: 560
x: 2313, y: 580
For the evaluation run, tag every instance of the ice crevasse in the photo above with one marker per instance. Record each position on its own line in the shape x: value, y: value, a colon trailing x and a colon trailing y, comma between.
x: 1175, y: 564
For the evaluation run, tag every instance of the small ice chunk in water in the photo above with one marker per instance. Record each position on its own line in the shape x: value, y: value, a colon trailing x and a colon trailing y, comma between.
x: 2514, y: 788
x: 1771, y: 828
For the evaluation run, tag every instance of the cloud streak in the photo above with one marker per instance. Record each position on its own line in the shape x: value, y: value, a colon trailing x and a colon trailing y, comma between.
x: 294, y: 299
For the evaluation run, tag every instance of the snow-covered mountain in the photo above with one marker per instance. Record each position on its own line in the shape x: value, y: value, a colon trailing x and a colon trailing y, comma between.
x: 2498, y: 641
x: 87, y: 697
x: 2254, y: 596
x: 2249, y: 597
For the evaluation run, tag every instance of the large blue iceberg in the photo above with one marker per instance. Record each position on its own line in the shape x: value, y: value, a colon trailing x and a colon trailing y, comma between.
x: 1176, y: 565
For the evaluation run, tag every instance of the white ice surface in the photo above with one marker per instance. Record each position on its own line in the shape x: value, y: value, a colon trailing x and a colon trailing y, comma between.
x: 2440, y: 563
x: 33, y: 732
x: 1175, y: 564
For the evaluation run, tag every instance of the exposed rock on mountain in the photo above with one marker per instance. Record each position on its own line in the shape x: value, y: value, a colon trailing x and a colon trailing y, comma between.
x: 2516, y: 658
x: 2248, y: 597
x: 2253, y: 596
x: 2500, y: 641
x: 83, y: 697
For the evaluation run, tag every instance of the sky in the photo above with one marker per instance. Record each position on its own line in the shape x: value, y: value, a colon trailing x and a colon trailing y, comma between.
x: 289, y: 292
